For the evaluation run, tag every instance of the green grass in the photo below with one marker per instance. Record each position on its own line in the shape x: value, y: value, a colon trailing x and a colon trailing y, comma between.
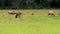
x: 41, y: 24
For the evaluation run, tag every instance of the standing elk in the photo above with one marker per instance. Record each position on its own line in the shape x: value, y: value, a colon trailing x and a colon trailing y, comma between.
x: 51, y: 13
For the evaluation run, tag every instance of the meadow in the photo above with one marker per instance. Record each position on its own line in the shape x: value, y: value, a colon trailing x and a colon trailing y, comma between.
x: 39, y: 23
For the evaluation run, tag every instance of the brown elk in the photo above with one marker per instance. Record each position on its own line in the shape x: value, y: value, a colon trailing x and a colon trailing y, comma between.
x: 18, y: 14
x: 11, y: 13
x: 51, y: 12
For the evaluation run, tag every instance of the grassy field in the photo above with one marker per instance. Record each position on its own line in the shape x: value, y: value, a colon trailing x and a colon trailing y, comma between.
x: 39, y: 23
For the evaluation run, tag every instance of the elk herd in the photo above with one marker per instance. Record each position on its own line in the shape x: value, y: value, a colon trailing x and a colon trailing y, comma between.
x: 19, y: 13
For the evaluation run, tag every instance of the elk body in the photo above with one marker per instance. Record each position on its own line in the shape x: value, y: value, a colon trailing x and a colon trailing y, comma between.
x: 50, y: 12
x: 11, y: 13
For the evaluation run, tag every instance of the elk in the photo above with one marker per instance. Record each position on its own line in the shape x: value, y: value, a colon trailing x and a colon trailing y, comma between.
x: 11, y: 13
x: 18, y: 14
x: 51, y: 12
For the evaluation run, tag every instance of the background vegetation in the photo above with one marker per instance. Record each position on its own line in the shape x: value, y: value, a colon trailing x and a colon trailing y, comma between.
x: 29, y: 4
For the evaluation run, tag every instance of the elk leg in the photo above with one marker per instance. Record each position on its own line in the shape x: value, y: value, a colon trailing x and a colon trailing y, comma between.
x: 48, y: 14
x: 16, y: 16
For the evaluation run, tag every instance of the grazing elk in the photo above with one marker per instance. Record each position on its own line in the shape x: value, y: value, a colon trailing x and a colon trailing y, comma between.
x: 51, y: 13
x: 11, y: 13
x: 18, y: 14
